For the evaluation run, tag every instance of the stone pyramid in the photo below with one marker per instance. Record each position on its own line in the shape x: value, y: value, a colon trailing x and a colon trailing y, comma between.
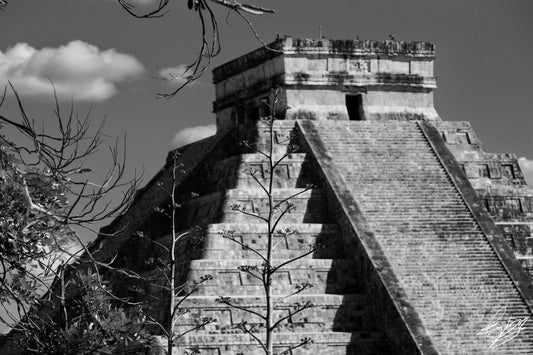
x: 426, y: 238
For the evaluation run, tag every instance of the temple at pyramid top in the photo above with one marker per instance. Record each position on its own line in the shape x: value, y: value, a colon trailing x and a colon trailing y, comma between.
x: 327, y: 79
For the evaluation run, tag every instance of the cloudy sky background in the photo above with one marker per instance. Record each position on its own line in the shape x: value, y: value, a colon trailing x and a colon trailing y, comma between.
x: 111, y: 63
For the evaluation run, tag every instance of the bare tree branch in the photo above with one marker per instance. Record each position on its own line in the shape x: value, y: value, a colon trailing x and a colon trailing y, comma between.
x: 40, y: 171
x: 276, y: 211
x: 210, y: 45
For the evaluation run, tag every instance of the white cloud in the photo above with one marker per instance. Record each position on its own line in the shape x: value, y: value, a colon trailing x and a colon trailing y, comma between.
x: 527, y: 169
x: 142, y: 2
x: 138, y: 2
x: 192, y: 134
x: 175, y: 75
x: 77, y: 69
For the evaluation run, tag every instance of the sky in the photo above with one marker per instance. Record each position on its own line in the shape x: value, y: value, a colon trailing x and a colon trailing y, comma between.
x: 109, y: 62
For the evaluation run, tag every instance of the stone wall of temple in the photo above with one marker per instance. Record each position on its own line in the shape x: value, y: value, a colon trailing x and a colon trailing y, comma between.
x: 394, y: 80
x: 500, y: 184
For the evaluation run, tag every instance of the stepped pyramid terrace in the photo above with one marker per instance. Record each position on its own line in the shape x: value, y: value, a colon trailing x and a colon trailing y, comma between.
x: 424, y: 237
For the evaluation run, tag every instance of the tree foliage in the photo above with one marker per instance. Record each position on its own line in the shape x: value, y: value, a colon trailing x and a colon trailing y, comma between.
x: 89, y: 322
x: 31, y: 236
x: 45, y: 190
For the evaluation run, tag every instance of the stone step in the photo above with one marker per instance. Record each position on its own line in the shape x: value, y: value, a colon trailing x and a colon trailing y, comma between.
x: 309, y: 206
x: 326, y: 237
x: 259, y: 136
x: 378, y: 207
x: 420, y: 218
x: 292, y: 172
x: 329, y: 245
x: 395, y: 193
x: 382, y: 147
x: 457, y: 211
x: 331, y: 343
x: 326, y: 276
x: 424, y: 233
x: 424, y: 264
x: 445, y: 243
x: 345, y: 313
x: 415, y: 210
x: 375, y: 188
x: 373, y: 196
x: 248, y: 228
x: 395, y: 226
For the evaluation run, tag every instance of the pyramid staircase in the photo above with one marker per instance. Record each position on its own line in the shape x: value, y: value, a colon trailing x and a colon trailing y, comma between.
x: 341, y: 322
x: 443, y: 260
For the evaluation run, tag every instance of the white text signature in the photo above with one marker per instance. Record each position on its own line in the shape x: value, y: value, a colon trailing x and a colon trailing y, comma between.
x: 499, y: 330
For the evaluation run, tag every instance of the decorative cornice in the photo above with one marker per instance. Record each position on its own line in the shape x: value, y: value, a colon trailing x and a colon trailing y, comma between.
x: 291, y: 47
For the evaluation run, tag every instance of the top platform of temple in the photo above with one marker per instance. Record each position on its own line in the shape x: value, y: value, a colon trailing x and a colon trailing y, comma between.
x: 328, y: 79
x: 324, y: 46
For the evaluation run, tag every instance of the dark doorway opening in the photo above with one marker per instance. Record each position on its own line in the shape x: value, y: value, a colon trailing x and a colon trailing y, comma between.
x: 354, y: 104
x: 238, y: 115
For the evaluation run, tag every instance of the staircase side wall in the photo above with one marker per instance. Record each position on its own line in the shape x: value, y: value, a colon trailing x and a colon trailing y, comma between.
x: 151, y: 195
